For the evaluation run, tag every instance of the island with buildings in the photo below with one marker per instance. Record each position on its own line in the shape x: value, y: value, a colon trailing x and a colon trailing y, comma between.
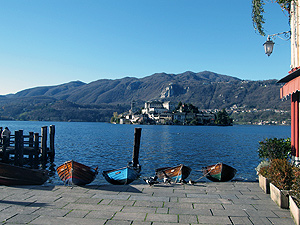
x: 169, y: 113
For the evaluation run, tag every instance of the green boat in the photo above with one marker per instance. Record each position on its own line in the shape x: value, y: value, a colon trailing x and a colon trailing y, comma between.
x: 219, y: 172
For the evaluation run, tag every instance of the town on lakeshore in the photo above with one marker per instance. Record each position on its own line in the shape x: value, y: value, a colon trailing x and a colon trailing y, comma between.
x: 168, y: 113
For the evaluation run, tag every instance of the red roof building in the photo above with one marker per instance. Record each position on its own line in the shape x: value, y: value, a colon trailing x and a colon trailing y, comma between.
x: 292, y: 87
x: 292, y: 81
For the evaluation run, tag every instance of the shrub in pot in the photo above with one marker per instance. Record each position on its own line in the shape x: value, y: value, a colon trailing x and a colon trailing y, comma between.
x: 281, y: 174
x: 274, y: 148
x: 295, y: 191
x: 264, y: 171
x: 264, y: 178
x: 269, y: 149
x: 281, y: 178
x: 295, y: 196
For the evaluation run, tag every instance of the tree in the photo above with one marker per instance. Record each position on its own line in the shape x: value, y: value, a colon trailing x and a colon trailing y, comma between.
x: 223, y: 118
x: 258, y: 11
x: 189, y: 108
x: 178, y: 106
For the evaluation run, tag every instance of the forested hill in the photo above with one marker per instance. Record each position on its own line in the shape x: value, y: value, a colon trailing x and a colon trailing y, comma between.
x: 96, y: 101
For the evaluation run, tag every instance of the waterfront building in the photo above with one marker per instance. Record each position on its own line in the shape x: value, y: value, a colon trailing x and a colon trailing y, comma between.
x: 292, y: 80
x: 165, y: 118
x: 169, y: 105
x: 152, y: 107
x: 157, y: 112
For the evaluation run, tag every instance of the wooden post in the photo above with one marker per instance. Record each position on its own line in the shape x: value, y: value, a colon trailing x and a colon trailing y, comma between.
x: 21, y: 148
x: 17, y: 147
x: 136, y: 146
x: 31, y: 139
x: 3, y: 146
x: 52, y: 135
x: 5, y: 156
x: 36, y: 140
x: 1, y: 142
x: 44, y: 143
x: 30, y: 145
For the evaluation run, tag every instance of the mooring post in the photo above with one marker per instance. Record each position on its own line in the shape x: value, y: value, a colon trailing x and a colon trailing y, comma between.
x: 44, y: 143
x: 17, y: 147
x: 31, y: 137
x: 5, y: 155
x: 30, y: 145
x: 52, y: 135
x: 136, y: 146
x: 1, y: 128
x: 36, y: 147
x: 3, y: 146
x: 21, y: 148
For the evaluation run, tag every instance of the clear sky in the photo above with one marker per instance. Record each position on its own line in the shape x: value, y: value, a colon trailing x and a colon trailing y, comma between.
x: 52, y: 42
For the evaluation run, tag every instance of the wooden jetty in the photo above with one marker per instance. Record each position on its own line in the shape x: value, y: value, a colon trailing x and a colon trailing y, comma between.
x: 21, y: 149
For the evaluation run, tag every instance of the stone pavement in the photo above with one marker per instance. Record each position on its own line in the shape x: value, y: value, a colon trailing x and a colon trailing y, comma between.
x: 140, y: 204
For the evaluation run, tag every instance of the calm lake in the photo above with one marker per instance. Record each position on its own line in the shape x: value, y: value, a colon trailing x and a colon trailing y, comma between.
x: 110, y: 146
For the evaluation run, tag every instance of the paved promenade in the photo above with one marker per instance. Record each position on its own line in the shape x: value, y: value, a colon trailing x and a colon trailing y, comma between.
x: 202, y: 203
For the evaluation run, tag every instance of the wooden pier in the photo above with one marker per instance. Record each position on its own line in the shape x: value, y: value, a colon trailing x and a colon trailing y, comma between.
x: 32, y: 149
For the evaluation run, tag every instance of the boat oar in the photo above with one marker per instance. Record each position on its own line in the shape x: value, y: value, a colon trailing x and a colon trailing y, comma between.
x: 207, y: 173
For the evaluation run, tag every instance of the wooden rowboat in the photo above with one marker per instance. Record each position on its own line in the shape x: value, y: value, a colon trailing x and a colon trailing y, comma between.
x: 16, y: 175
x: 131, y: 172
x: 122, y: 176
x: 177, y: 173
x: 72, y: 172
x: 219, y: 172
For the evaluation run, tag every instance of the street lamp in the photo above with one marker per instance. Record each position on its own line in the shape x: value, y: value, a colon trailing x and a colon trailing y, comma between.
x: 269, y: 44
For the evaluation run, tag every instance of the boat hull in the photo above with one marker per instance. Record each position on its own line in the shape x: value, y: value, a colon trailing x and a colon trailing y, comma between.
x: 15, y: 175
x: 125, y: 175
x: 75, y: 173
x: 176, y: 173
x: 219, y: 172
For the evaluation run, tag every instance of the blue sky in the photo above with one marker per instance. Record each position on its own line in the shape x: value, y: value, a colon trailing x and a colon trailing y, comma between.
x: 53, y: 42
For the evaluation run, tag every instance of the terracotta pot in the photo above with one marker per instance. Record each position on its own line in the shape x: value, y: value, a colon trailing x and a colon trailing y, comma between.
x: 295, y: 211
x: 280, y: 197
x: 264, y: 184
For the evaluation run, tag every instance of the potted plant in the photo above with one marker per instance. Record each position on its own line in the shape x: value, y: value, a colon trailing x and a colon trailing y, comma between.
x: 274, y: 148
x: 263, y: 176
x: 269, y: 149
x: 294, y: 197
x: 281, y: 180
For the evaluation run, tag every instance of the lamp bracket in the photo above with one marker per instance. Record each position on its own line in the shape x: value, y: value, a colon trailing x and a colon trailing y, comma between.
x: 286, y: 36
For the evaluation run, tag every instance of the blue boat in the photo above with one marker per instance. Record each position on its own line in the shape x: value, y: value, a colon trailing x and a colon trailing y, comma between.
x: 132, y: 171
x: 122, y: 176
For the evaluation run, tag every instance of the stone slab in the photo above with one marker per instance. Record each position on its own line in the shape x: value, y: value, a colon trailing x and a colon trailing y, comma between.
x: 140, y: 204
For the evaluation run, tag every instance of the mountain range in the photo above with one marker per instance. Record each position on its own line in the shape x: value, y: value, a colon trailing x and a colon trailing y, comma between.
x: 98, y: 100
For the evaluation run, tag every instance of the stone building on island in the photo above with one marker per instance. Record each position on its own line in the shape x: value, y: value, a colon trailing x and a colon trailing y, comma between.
x: 168, y: 113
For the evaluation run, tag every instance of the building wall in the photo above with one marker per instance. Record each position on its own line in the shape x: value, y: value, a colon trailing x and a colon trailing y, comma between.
x: 295, y: 49
x: 295, y: 64
x: 295, y: 126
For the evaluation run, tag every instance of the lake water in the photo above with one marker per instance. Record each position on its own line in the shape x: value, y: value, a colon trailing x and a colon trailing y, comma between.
x: 110, y: 146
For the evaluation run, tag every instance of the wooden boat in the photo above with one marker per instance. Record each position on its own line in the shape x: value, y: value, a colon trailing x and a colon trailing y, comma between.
x: 131, y: 172
x: 219, y: 172
x: 72, y: 172
x: 16, y: 175
x: 177, y: 173
x: 122, y: 176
